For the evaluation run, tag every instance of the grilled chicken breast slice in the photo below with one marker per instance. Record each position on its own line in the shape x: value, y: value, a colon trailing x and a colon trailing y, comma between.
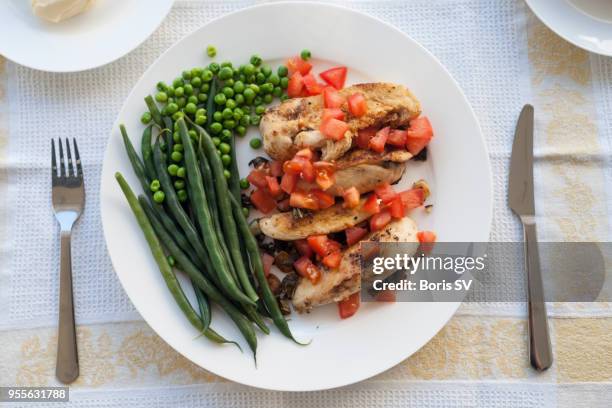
x: 285, y: 227
x: 281, y: 126
x: 336, y: 285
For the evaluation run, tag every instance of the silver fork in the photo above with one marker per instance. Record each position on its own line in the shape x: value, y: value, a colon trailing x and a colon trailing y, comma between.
x: 68, y: 196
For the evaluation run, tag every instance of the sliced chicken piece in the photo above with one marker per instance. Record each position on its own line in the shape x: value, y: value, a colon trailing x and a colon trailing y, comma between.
x: 282, y: 125
x: 285, y: 227
x: 365, y: 169
x: 338, y: 284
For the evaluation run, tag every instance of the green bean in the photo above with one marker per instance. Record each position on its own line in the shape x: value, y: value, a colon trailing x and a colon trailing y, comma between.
x: 210, y: 103
x: 161, y: 260
x: 155, y: 113
x: 147, y: 153
x: 257, y: 265
x: 209, y: 236
x: 203, y: 305
x: 253, y: 315
x: 234, y: 180
x: 137, y: 165
x: 228, y: 223
x: 244, y: 325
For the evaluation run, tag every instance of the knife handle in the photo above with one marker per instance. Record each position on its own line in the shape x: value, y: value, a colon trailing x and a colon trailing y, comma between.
x: 540, y: 352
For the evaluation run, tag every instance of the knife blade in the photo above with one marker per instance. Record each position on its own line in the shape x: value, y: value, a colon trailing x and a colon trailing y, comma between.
x: 521, y: 201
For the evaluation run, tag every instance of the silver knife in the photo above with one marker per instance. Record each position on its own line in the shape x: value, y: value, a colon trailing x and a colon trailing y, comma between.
x: 521, y: 201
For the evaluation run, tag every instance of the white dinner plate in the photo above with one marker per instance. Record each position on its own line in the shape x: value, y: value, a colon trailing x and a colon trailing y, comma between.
x: 379, y: 336
x: 585, y: 23
x: 107, y: 31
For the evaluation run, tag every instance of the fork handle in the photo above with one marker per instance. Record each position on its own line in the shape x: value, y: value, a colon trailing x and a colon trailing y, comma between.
x: 67, y: 367
x: 540, y: 352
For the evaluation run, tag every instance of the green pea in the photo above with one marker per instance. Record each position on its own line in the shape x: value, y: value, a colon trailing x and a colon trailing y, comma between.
x: 268, y: 98
x: 229, y: 124
x: 238, y: 86
x: 161, y: 86
x: 245, y: 211
x: 249, y: 69
x: 188, y: 89
x: 178, y: 115
x: 146, y: 118
x: 226, y: 159
x: 255, y: 88
x: 277, y: 91
x: 216, y: 128
x: 159, y: 197
x: 176, y: 156
x: 229, y: 82
x: 260, y: 109
x: 186, y: 75
x: 201, y: 112
x: 196, y: 82
x: 227, y: 174
x: 240, y: 130
x: 249, y: 93
x: 171, y: 260
x: 182, y: 195
x: 207, y: 75
x: 267, y: 88
x: 178, y: 147
x: 225, y: 148
x: 284, y: 97
x: 181, y: 102
x: 192, y: 134
x: 256, y: 60
x: 225, y: 73
x: 226, y: 135
x: 284, y: 82
x: 211, y: 51
x: 181, y: 172
x: 218, y: 116
x: 216, y: 141
x: 245, y: 120
x: 282, y: 71
x: 180, y: 91
x: 176, y: 137
x: 260, y: 78
x: 266, y: 70
x: 191, y: 108
x: 161, y: 97
x: 250, y: 79
x: 205, y: 88
x: 192, y: 99
x: 244, y: 183
x: 305, y: 54
x: 155, y: 185
x: 274, y: 79
x: 255, y: 120
x: 227, y: 113
x: 178, y: 82
x: 239, y: 99
x: 258, y: 100
x: 255, y: 143
x: 162, y: 145
x: 214, y: 67
x: 200, y: 120
x: 237, y: 115
x: 170, y: 91
x: 226, y: 64
x: 179, y: 184
x: 241, y: 78
x: 202, y: 97
x: 173, y: 169
x: 196, y: 72
x: 220, y: 99
x: 228, y: 92
x: 231, y: 103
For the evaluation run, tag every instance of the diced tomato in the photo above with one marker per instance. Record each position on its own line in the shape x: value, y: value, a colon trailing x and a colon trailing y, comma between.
x: 335, y: 113
x: 288, y: 182
x: 357, y: 104
x: 308, y: 171
x: 324, y: 172
x: 295, y: 86
x: 396, y: 207
x: 427, y: 240
x: 263, y: 201
x: 412, y: 198
x: 354, y: 235
x: 385, y: 192
x: 268, y: 261
x: 324, y: 200
x: 332, y: 261
x: 273, y: 186
x: 311, y: 85
x: 397, y: 137
x: 386, y: 296
x: 300, y: 165
x: 305, y: 153
x: 318, y: 243
x: 303, y: 248
x: 377, y: 143
x: 418, y: 135
x: 307, y: 269
x: 292, y: 166
x: 297, y: 64
x: 276, y: 168
x: 258, y: 178
x: 335, y: 76
x: 332, y: 98
x: 364, y: 136
x: 283, y: 205
x: 301, y: 199
x: 349, y: 306
x: 333, y: 128
x: 380, y: 220
x: 371, y: 205
x: 351, y: 197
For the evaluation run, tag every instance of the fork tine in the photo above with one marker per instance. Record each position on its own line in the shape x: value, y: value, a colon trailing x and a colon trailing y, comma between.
x: 70, y: 166
x: 61, y: 153
x: 53, y: 161
x: 77, y: 159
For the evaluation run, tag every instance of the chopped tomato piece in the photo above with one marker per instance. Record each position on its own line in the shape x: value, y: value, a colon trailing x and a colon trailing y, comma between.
x: 311, y: 85
x: 300, y: 165
x: 273, y: 186
x: 418, y: 135
x: 305, y: 153
x: 283, y: 205
x: 385, y: 192
x: 307, y: 269
x: 396, y: 207
x: 351, y: 197
x: 335, y: 76
x: 324, y: 200
x: 397, y: 137
x: 268, y: 261
x: 258, y: 178
x: 333, y: 128
x: 371, y: 205
x: 357, y: 104
x: 415, y: 145
x: 324, y: 174
x: 377, y: 143
x: 349, y: 306
x: 386, y: 296
x: 301, y: 199
x: 297, y: 64
x: 335, y: 113
x: 295, y: 86
x: 332, y: 98
x: 292, y: 166
x: 276, y: 168
x: 380, y: 220
x: 318, y: 243
x: 263, y: 201
x: 427, y: 240
x: 303, y: 248
x: 412, y: 198
x: 332, y: 261
x: 308, y: 171
x: 288, y: 182
x: 364, y: 136
x: 354, y: 235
